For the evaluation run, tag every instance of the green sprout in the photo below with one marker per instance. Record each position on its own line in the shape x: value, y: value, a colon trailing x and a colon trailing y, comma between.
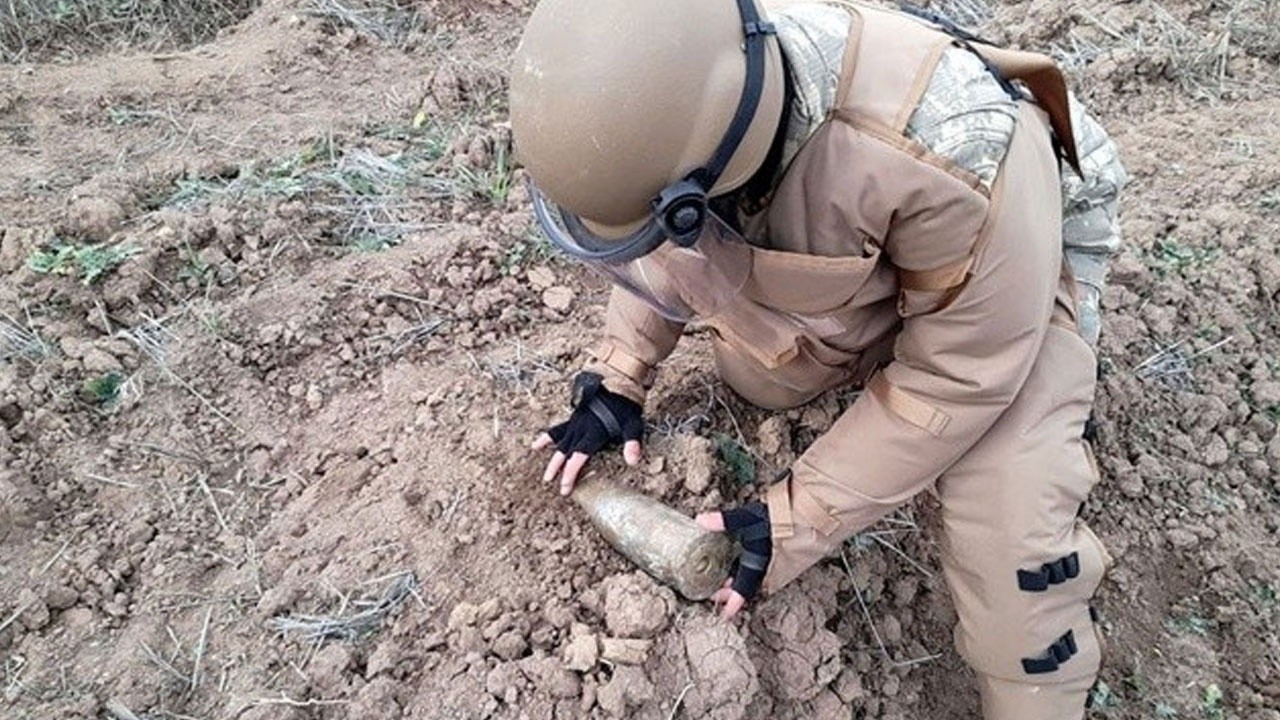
x: 89, y: 262
x: 104, y: 391
x: 742, y: 467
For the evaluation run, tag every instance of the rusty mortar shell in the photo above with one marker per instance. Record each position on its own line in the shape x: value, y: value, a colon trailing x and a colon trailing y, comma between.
x: 662, y: 541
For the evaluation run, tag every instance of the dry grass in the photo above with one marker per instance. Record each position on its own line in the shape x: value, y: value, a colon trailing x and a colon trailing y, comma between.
x: 32, y: 30
x: 1173, y: 365
x: 373, y: 201
x: 392, y: 22
x: 969, y: 14
x: 19, y: 340
x: 345, y: 625
x: 1201, y: 54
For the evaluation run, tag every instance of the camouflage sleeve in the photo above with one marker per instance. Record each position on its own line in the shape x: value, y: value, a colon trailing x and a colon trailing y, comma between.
x: 965, y: 116
x: 1090, y: 215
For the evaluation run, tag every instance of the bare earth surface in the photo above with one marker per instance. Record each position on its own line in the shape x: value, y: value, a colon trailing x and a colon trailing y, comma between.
x: 304, y: 384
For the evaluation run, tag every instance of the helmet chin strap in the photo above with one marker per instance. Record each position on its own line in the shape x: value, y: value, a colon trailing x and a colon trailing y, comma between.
x: 681, y: 208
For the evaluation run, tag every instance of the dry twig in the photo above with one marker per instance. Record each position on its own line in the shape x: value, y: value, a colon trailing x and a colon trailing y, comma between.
x: 351, y: 627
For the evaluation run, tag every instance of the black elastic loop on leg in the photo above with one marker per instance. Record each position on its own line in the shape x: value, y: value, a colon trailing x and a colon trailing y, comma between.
x: 1090, y: 433
x: 1062, y: 650
x: 1071, y: 565
x: 1052, y: 573
x: 1057, y: 573
x: 1036, y: 581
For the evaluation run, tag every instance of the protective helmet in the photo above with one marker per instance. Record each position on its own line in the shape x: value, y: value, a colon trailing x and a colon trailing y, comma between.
x: 630, y: 114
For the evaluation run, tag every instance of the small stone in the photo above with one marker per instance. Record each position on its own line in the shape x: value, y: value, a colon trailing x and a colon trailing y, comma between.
x: 140, y: 532
x: 383, y: 659
x: 61, y: 597
x: 624, y: 651
x: 466, y: 640
x: 627, y: 688
x: 582, y: 651
x: 904, y: 591
x: 1181, y: 538
x: 635, y: 606
x: 827, y: 705
x: 10, y: 414
x: 504, y: 681
x: 95, y: 219
x: 558, y: 298
x: 78, y: 618
x: 848, y: 687
x: 891, y: 686
x: 891, y: 630
x: 1132, y: 486
x: 1216, y: 453
x: 510, y: 645
x: 462, y: 615
x: 773, y: 435
x: 699, y: 456
x: 1266, y: 393
x: 97, y: 361
x: 489, y: 610
x: 541, y: 277
x: 34, y: 613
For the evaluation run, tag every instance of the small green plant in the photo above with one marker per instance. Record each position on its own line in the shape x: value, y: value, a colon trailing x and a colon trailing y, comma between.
x: 1266, y: 597
x: 1211, y: 702
x: 1181, y: 258
x: 104, y: 391
x: 194, y: 267
x: 1135, y: 684
x: 532, y: 249
x: 89, y: 262
x: 1191, y: 624
x: 121, y: 116
x: 492, y: 184
x: 742, y: 467
x: 1101, y: 699
x: 1164, y: 711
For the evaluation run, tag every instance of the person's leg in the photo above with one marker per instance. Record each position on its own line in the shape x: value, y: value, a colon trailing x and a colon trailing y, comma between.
x: 1021, y: 566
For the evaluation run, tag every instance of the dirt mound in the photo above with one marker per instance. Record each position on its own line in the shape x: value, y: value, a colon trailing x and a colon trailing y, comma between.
x: 275, y: 332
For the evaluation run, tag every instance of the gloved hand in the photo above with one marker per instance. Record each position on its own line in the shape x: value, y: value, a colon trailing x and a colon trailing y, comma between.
x: 750, y: 526
x: 600, y: 418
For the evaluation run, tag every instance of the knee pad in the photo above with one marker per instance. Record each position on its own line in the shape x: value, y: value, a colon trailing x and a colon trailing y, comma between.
x: 1034, y: 625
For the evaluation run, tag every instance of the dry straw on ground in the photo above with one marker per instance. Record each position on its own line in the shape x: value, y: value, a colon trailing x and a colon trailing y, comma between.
x: 38, y: 29
x: 352, y: 626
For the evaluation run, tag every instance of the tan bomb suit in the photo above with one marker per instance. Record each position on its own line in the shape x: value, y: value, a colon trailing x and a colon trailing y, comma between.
x: 880, y: 262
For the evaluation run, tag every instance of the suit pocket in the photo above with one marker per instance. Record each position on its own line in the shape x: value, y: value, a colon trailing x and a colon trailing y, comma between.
x: 808, y: 285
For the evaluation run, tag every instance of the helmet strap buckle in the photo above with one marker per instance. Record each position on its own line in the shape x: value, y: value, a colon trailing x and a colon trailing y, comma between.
x: 681, y: 210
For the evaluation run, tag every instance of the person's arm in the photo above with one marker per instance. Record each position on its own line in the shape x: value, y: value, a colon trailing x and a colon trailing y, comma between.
x: 609, y: 406
x: 972, y: 328
x: 1090, y: 216
x: 636, y: 339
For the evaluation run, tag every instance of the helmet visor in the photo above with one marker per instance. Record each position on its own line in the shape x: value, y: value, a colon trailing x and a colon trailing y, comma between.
x: 680, y: 283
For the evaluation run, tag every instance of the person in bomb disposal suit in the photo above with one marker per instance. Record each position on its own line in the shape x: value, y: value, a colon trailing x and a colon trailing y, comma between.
x: 846, y: 195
